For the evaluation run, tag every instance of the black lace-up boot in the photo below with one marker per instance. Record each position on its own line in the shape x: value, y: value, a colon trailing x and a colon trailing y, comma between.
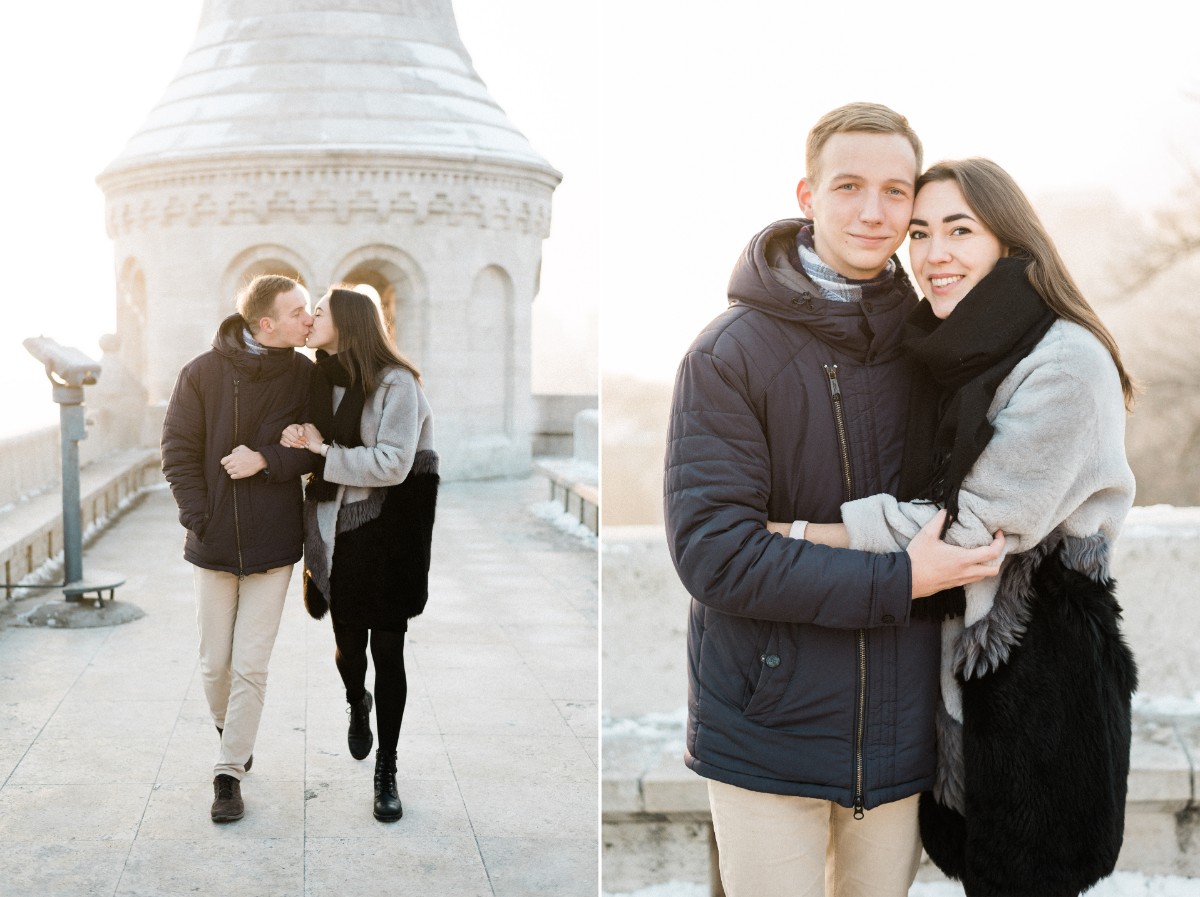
x: 387, y: 800
x: 359, y: 737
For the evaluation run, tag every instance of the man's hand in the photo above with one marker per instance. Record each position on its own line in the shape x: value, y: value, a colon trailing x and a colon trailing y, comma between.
x: 243, y: 462
x: 937, y: 565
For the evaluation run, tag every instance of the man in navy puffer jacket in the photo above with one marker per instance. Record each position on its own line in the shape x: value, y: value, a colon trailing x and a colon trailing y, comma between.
x: 811, y: 690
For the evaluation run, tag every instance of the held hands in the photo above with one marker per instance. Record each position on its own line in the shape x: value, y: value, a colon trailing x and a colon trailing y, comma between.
x: 937, y: 565
x: 303, y: 436
x: 293, y: 437
x: 243, y: 462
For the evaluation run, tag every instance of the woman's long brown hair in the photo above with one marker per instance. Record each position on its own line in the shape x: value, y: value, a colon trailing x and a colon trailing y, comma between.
x: 1002, y: 206
x: 363, y: 345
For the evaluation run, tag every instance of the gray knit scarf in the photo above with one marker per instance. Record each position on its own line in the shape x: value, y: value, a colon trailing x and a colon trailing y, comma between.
x: 832, y: 284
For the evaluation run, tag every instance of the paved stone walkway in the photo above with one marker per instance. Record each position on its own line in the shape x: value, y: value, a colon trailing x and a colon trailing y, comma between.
x: 106, y: 745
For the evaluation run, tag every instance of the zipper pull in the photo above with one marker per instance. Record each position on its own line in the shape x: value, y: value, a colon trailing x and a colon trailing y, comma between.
x: 834, y: 388
x: 858, y: 809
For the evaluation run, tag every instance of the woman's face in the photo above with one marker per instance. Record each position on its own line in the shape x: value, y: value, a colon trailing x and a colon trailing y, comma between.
x: 949, y: 248
x: 324, y: 334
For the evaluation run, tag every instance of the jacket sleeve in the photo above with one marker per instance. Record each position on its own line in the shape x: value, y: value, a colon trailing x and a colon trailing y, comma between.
x: 716, y: 492
x: 1037, y: 468
x: 182, y: 446
x: 388, y: 461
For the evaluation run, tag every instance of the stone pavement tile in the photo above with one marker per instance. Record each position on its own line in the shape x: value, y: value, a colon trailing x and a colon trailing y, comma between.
x: 132, y: 720
x: 533, y: 715
x: 12, y: 752
x: 582, y: 716
x: 450, y: 687
x: 413, y: 864
x: 342, y: 809
x: 41, y: 664
x: 123, y: 681
x: 23, y: 721
x: 592, y: 746
x: 569, y: 684
x: 242, y: 866
x: 83, y: 760
x: 191, y: 754
x: 525, y: 811
x: 417, y: 757
x: 524, y: 638
x: 520, y: 867
x: 75, y: 868
x: 274, y: 810
x: 513, y: 759
x: 97, y: 812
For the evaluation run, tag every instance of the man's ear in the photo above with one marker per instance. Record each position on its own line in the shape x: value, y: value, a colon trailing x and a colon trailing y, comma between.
x: 804, y: 196
x: 265, y: 325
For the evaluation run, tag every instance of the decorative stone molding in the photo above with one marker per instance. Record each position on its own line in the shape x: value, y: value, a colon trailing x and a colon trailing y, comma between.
x: 318, y: 193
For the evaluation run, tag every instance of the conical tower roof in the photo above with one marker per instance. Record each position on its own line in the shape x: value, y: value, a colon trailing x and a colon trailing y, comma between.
x: 317, y: 76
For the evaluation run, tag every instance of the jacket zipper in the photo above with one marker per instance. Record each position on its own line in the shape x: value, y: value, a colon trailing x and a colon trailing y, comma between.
x: 839, y: 418
x: 237, y: 523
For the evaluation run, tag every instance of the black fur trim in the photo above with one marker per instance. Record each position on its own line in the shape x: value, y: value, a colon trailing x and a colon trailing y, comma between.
x: 314, y: 598
x: 1046, y: 749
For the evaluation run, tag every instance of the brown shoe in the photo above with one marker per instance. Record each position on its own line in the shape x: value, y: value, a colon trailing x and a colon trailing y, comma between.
x: 227, y: 799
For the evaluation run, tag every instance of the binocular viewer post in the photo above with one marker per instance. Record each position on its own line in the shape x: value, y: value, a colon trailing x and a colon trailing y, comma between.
x: 69, y: 371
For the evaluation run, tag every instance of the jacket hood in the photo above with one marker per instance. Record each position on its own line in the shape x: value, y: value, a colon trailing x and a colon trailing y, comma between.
x: 229, y: 342
x: 765, y: 278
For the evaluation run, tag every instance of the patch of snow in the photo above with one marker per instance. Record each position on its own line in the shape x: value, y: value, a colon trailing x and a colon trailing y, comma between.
x: 552, y: 512
x: 1167, y: 705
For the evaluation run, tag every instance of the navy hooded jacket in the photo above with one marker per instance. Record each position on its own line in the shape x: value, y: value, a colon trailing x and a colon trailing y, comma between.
x: 223, y: 398
x: 806, y: 675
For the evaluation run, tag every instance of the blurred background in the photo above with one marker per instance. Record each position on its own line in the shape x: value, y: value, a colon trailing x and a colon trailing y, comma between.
x: 1094, y: 109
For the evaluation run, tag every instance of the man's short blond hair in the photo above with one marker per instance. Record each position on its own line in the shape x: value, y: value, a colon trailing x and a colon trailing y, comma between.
x: 872, y: 118
x: 257, y: 300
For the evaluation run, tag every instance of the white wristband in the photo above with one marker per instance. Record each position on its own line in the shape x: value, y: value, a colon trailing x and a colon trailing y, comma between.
x: 324, y: 449
x: 797, y: 530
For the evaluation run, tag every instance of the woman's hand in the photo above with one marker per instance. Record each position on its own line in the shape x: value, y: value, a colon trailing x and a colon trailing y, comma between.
x: 313, y: 440
x: 293, y: 437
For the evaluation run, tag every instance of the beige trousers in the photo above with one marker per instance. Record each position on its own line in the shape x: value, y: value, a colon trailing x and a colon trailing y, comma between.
x: 238, y: 621
x: 773, y: 845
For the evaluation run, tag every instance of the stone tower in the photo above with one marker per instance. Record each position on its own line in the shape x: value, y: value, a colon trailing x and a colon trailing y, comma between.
x: 339, y: 140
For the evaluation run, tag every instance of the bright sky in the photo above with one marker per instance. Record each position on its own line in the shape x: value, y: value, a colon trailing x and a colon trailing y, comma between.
x: 79, y: 79
x: 679, y: 127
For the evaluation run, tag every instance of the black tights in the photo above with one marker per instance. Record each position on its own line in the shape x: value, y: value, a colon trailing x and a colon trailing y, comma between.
x: 391, y: 683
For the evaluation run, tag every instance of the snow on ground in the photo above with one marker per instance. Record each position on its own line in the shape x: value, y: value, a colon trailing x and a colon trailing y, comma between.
x: 552, y: 512
x: 1119, y: 884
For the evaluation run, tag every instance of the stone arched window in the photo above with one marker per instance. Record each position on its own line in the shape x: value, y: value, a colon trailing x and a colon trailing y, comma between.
x: 491, y: 353
x: 131, y: 318
x: 398, y: 280
x: 265, y: 258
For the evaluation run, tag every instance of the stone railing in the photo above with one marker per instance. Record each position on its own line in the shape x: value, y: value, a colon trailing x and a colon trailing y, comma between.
x: 656, y: 824
x: 31, y: 530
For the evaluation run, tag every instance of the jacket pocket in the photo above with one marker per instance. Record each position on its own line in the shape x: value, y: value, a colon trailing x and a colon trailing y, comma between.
x: 770, y: 670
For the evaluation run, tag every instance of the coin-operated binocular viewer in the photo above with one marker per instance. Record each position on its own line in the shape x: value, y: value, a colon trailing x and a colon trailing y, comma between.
x: 69, y: 371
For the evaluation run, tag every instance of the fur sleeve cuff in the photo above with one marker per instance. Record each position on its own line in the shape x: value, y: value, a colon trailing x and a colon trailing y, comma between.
x: 878, y: 523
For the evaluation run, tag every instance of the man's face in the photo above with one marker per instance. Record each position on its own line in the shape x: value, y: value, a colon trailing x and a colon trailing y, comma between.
x: 289, y: 324
x: 861, y: 200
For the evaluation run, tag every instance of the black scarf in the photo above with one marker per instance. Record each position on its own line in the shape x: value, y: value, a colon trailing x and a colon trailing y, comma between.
x: 961, y: 363
x: 342, y: 427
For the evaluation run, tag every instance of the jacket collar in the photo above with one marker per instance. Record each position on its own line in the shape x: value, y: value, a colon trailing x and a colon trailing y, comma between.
x: 768, y: 278
x: 228, y: 342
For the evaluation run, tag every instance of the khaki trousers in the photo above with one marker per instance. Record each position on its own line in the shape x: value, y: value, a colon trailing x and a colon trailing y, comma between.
x: 773, y: 845
x: 238, y: 621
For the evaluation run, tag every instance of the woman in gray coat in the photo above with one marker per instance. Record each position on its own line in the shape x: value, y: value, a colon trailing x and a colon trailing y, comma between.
x: 1017, y: 425
x: 369, y: 509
